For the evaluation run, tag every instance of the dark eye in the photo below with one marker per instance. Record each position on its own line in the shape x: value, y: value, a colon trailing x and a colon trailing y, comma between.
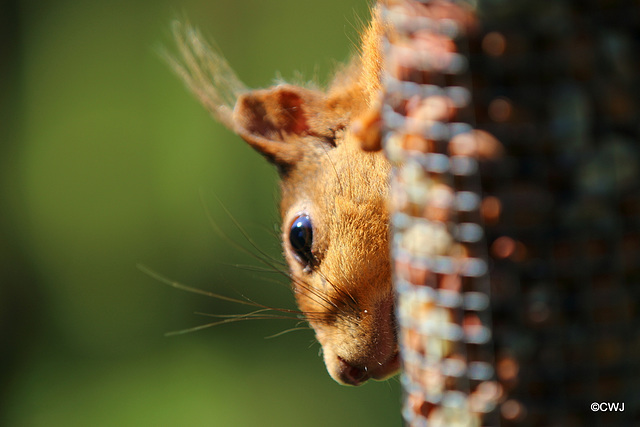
x: 301, y: 239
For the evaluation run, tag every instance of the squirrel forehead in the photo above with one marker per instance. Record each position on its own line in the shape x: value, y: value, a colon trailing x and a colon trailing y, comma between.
x: 344, y: 171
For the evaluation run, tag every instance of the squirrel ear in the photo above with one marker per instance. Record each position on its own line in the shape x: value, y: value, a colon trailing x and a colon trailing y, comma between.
x: 273, y: 121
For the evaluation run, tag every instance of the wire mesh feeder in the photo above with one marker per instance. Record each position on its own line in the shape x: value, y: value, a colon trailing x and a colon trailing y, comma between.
x: 517, y: 263
x: 438, y: 246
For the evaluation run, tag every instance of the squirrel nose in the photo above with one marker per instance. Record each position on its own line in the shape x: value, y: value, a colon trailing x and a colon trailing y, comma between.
x: 351, y: 374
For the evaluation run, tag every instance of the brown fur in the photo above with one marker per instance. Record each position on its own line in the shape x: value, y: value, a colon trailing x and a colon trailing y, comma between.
x: 347, y: 295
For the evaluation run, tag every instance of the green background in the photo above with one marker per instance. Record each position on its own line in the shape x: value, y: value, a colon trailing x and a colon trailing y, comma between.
x: 104, y: 157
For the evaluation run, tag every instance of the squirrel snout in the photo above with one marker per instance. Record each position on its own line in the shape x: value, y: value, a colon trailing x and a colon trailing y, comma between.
x: 351, y: 374
x: 355, y: 352
x: 356, y: 374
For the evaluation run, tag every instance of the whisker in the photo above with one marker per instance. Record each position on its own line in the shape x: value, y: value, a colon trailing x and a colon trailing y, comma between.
x: 253, y: 313
x: 272, y: 267
x: 277, y: 281
x: 313, y: 293
x: 255, y: 268
x: 304, y: 328
x: 319, y: 297
x: 270, y: 232
x: 247, y: 316
x: 311, y: 315
x: 265, y: 258
x: 221, y: 322
x: 246, y: 235
x: 183, y: 287
x: 352, y: 302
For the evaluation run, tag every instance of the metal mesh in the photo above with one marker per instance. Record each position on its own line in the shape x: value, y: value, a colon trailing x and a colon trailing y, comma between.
x: 517, y: 263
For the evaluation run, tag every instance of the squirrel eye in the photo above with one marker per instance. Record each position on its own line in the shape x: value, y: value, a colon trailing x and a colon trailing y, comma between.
x: 301, y: 239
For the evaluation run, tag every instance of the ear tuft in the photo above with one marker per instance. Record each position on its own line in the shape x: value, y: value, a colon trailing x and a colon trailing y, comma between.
x: 205, y: 72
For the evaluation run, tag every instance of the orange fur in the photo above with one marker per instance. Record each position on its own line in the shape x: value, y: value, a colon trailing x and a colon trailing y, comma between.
x: 346, y: 293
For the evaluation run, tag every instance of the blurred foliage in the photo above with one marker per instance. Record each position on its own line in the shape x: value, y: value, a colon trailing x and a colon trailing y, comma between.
x: 103, y: 160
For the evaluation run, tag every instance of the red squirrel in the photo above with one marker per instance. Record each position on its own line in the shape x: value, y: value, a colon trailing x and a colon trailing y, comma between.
x: 335, y: 220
